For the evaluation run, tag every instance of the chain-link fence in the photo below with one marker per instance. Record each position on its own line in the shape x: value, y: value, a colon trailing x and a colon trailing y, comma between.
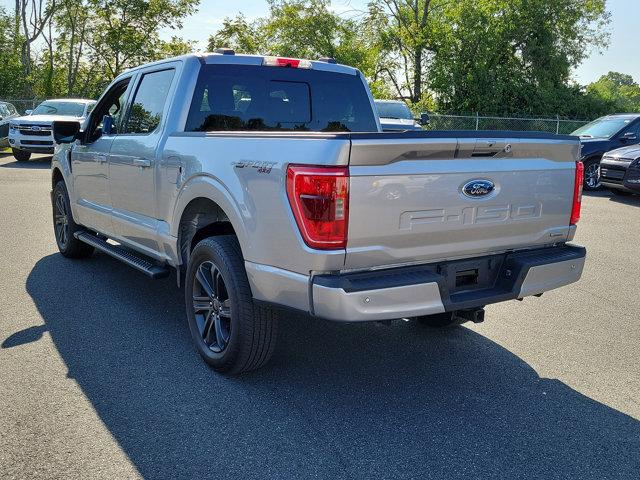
x: 477, y: 122
x: 443, y: 122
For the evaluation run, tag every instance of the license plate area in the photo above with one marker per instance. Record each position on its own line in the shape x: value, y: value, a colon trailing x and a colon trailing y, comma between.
x: 467, y: 278
x: 477, y: 274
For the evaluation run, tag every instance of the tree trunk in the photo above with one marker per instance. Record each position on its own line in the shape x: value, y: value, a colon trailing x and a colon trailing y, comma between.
x: 48, y: 86
x: 25, y: 57
x: 417, y: 75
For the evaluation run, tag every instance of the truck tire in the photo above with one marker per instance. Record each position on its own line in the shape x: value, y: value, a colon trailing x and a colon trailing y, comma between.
x: 231, y: 332
x: 64, y: 226
x: 21, y: 155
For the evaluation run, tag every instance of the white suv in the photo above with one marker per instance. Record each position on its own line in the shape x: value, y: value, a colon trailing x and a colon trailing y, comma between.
x: 33, y: 132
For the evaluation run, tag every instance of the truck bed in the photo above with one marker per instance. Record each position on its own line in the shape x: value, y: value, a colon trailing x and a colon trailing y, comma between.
x: 406, y: 203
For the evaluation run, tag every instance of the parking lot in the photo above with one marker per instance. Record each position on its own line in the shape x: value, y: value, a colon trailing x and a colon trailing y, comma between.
x: 99, y: 378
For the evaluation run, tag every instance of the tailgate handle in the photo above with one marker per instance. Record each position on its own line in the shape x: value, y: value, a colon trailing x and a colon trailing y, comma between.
x: 486, y: 147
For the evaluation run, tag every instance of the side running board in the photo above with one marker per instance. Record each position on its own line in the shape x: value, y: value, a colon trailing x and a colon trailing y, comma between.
x: 124, y: 255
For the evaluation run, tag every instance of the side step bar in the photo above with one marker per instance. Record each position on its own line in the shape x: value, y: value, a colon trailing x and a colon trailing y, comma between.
x: 124, y: 255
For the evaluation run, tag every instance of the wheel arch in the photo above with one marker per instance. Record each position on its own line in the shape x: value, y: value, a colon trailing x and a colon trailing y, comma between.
x: 56, y: 176
x: 596, y: 156
x: 204, y: 208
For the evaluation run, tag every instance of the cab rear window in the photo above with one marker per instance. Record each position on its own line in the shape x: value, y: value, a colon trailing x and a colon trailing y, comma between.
x: 254, y: 98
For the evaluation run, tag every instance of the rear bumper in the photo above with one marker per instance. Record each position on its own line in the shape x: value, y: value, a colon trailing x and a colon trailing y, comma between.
x: 413, y: 291
x: 430, y: 289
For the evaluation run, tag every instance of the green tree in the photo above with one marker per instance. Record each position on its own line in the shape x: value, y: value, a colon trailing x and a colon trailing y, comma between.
x: 33, y: 17
x: 406, y: 29
x: 84, y: 44
x: 493, y: 56
x: 72, y: 20
x: 616, y: 90
x: 12, y: 79
x: 240, y: 34
x: 302, y: 29
x: 125, y: 33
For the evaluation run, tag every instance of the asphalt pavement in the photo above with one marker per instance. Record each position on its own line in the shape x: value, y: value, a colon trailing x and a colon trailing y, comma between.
x: 98, y: 378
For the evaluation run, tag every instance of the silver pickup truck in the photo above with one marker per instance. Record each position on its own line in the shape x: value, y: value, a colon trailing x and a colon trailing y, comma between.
x: 267, y: 182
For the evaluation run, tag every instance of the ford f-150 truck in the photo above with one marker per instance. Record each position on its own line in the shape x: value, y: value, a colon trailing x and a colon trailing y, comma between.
x: 266, y: 182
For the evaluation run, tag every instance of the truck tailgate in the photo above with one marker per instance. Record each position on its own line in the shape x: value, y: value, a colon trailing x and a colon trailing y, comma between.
x: 421, y: 197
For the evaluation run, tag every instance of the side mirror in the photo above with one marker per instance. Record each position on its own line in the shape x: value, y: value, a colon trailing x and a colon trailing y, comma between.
x: 28, y: 112
x: 66, y: 132
x: 629, y: 137
x: 424, y: 119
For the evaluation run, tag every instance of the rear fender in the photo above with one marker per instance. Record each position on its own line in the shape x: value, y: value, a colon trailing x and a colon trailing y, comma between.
x: 205, y: 186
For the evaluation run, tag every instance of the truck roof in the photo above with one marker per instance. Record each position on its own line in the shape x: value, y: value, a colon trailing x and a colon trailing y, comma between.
x: 231, y: 58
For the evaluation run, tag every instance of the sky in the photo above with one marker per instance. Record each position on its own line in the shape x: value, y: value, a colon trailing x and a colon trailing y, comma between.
x: 621, y: 56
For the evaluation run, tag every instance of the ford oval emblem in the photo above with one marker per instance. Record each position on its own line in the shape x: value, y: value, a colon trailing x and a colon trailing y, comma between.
x: 36, y: 128
x: 478, y: 188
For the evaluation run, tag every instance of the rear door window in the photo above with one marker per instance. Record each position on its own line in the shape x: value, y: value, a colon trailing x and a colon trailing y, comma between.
x: 254, y: 98
x: 148, y: 103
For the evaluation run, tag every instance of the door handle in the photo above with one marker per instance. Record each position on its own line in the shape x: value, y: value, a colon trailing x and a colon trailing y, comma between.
x: 142, y: 162
x: 101, y: 158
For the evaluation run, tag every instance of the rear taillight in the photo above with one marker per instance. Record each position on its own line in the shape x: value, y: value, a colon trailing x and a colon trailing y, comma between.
x: 319, y: 198
x: 577, y: 194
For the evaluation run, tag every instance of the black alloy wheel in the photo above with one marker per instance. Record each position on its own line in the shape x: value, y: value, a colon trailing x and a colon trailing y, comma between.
x: 60, y: 219
x: 212, y: 306
x: 64, y: 226
x: 592, y: 175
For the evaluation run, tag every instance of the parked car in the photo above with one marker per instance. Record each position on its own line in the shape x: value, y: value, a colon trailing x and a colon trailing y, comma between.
x: 620, y: 170
x: 396, y: 116
x: 267, y: 182
x: 7, y: 113
x: 601, y: 136
x: 32, y: 133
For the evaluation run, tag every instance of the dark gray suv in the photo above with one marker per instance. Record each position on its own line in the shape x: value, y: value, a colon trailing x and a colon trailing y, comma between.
x: 7, y: 112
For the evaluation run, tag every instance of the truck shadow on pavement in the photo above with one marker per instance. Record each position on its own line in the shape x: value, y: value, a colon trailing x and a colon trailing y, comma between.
x: 36, y: 164
x: 343, y: 401
x: 632, y: 200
